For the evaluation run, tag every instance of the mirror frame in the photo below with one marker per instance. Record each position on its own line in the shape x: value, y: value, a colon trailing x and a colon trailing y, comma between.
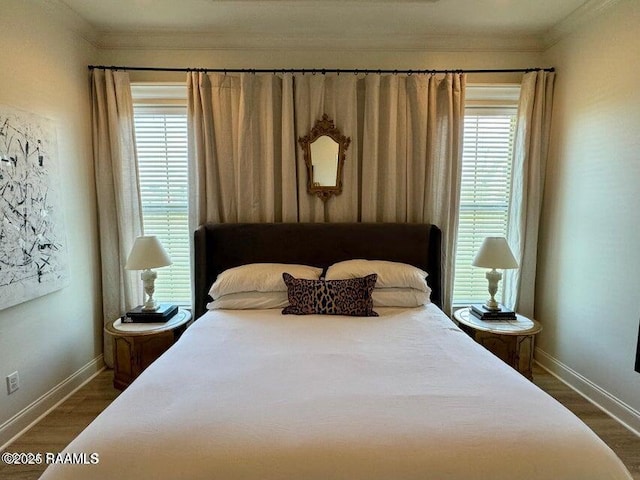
x: 323, y: 127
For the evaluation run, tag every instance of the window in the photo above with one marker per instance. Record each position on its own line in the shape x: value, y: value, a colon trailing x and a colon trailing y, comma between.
x: 161, y: 142
x: 489, y: 128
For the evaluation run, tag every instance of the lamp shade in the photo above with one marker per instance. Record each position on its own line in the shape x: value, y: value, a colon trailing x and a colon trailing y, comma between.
x: 495, y: 253
x: 147, y: 252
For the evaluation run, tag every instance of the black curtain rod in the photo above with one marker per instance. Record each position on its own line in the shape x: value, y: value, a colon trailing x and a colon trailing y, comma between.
x: 315, y: 71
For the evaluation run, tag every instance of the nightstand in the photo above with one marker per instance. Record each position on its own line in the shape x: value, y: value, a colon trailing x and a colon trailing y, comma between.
x: 510, y: 340
x: 137, y: 345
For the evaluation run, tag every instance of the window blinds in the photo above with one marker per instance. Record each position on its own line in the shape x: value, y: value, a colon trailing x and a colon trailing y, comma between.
x: 161, y: 141
x: 484, y: 194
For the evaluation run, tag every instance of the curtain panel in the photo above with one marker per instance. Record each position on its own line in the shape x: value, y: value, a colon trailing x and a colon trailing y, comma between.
x: 412, y: 154
x: 118, y: 197
x: 337, y: 96
x: 402, y: 165
x: 241, y: 148
x: 531, y: 147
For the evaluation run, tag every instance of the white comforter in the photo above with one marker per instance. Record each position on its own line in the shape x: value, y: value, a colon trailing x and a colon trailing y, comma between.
x: 260, y: 395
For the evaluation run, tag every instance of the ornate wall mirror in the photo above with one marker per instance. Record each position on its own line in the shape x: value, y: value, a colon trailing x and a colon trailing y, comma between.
x: 324, y: 151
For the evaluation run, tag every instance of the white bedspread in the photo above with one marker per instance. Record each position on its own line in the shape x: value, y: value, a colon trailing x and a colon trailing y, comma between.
x: 260, y: 395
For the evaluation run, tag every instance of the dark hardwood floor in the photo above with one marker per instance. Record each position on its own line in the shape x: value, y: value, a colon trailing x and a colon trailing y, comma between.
x: 56, y: 430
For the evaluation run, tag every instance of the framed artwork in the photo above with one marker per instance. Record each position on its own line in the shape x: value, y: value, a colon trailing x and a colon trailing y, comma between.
x: 33, y: 250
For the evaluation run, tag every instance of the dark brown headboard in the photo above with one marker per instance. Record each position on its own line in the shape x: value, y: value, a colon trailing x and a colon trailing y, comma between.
x: 222, y: 246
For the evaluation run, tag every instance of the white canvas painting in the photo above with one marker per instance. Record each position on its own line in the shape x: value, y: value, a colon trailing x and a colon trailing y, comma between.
x: 33, y: 255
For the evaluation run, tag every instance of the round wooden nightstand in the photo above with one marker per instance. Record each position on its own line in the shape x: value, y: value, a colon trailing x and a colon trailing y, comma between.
x: 137, y: 345
x: 510, y: 340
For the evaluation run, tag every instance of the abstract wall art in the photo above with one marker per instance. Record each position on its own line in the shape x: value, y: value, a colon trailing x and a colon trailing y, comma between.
x: 33, y: 250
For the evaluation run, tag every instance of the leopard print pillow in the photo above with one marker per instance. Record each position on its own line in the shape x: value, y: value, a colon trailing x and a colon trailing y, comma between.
x: 330, y: 297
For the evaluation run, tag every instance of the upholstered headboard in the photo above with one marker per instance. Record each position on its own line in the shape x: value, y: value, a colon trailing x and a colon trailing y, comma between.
x: 222, y: 246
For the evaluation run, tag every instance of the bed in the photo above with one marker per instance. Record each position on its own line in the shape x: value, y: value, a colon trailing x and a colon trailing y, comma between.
x: 255, y: 394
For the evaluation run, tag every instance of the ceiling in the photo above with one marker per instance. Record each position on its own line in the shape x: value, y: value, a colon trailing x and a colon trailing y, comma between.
x: 122, y: 23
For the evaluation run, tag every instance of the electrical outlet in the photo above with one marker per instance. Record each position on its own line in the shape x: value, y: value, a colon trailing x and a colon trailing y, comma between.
x: 13, y: 382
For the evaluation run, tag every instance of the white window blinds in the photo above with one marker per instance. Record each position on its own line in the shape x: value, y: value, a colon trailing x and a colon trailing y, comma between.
x: 485, y: 189
x: 161, y: 141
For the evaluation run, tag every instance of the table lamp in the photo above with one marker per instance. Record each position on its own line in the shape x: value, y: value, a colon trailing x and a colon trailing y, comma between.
x: 147, y: 253
x: 494, y: 253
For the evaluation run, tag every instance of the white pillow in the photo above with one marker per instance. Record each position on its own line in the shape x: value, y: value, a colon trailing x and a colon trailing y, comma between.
x: 400, y: 297
x: 390, y: 274
x: 250, y: 300
x: 259, y: 277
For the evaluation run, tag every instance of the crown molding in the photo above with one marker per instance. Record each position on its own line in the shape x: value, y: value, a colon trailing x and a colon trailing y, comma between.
x: 579, y: 17
x: 190, y: 40
x: 181, y: 40
x: 206, y: 40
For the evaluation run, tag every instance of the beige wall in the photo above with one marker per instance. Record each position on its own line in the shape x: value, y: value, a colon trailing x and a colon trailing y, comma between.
x: 52, y: 337
x: 589, y: 263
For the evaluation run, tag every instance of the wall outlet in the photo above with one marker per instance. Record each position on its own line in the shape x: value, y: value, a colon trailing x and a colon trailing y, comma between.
x: 13, y: 382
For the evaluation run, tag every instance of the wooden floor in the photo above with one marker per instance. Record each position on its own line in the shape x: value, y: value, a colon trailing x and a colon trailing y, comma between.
x: 620, y: 440
x: 55, y: 431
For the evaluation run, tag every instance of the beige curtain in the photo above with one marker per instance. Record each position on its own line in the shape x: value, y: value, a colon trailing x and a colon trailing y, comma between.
x: 529, y: 165
x: 337, y: 96
x: 411, y: 155
x: 394, y: 150
x: 402, y: 165
x: 118, y: 198
x: 242, y: 148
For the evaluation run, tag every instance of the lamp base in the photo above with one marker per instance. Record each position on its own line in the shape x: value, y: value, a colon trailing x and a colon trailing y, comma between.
x: 493, y: 277
x: 493, y: 306
x: 148, y: 277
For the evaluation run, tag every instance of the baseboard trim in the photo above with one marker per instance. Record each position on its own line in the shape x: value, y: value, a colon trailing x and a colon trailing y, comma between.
x: 41, y: 407
x: 625, y: 415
